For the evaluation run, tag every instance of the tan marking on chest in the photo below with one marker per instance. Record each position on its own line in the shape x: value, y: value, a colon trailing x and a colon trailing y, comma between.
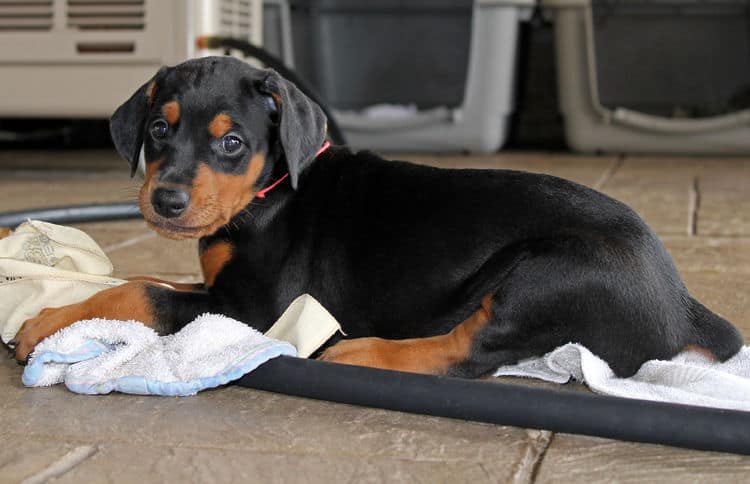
x: 213, y: 260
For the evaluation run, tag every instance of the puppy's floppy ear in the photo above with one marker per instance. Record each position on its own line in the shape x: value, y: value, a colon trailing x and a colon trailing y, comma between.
x: 126, y: 125
x: 302, y: 124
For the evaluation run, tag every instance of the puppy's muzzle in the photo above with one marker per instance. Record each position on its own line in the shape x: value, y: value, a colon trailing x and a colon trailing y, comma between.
x: 170, y: 203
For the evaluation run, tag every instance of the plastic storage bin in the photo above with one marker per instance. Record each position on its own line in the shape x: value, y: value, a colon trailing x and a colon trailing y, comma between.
x: 452, y: 62
x: 659, y: 76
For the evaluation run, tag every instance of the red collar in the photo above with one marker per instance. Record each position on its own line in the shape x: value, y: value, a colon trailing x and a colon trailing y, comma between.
x: 264, y: 192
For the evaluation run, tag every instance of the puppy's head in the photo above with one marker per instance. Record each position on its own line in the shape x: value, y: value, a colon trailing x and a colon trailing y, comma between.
x: 213, y: 132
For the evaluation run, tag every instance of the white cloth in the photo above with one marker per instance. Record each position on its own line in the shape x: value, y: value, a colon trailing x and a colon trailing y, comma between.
x: 100, y: 356
x: 689, y: 378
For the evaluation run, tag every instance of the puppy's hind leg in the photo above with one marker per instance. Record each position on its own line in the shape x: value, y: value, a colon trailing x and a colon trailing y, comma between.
x: 431, y: 355
x: 565, y: 296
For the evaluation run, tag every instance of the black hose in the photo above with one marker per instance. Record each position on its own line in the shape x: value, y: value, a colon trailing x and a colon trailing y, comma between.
x: 507, y: 404
x: 73, y: 214
x: 250, y: 50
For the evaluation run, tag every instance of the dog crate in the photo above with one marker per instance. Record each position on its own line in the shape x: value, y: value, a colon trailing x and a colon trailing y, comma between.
x: 82, y: 58
x: 410, y: 75
x: 654, y: 76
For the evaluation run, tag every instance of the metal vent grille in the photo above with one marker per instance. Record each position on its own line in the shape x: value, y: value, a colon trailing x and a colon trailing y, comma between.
x: 26, y: 15
x: 106, y: 14
x: 236, y: 19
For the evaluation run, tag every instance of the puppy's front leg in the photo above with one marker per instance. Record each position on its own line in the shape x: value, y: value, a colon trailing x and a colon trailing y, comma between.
x: 164, y: 309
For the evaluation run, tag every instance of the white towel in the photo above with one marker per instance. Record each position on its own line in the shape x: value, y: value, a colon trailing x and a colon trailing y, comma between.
x: 100, y: 356
x: 689, y: 378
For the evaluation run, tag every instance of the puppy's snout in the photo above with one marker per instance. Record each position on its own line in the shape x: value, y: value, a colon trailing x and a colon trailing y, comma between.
x: 170, y: 203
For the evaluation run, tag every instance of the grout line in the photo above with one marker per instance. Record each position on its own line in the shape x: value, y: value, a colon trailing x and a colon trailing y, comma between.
x: 62, y: 465
x: 694, y: 203
x: 129, y: 242
x: 536, y: 448
x: 609, y: 172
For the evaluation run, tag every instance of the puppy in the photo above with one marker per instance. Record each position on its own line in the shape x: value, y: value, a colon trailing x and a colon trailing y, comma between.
x: 452, y: 272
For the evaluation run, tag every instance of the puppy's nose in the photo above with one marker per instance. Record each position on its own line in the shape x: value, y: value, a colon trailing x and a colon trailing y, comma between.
x: 170, y: 203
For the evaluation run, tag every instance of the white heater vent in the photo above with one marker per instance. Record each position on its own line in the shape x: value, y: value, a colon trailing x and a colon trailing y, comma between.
x: 106, y: 14
x: 28, y: 15
x: 236, y: 18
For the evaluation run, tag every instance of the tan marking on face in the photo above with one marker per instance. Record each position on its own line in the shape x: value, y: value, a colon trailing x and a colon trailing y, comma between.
x: 149, y: 184
x: 276, y: 100
x: 171, y: 112
x: 220, y: 125
x: 215, y: 198
x: 150, y: 90
x: 213, y: 260
x: 434, y: 355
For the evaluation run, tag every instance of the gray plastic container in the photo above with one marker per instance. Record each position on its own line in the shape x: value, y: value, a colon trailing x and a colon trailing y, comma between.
x: 658, y: 76
x: 454, y: 60
x: 390, y: 51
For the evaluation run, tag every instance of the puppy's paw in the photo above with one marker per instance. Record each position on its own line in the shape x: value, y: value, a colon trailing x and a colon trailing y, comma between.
x: 372, y: 352
x: 46, y: 323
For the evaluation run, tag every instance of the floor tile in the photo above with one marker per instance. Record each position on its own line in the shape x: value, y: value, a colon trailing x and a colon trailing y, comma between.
x: 709, y: 254
x: 572, y: 458
x: 154, y: 255
x: 115, y: 463
x: 587, y: 170
x: 664, y: 207
x: 22, y: 458
x: 86, y: 161
x: 239, y: 418
x: 727, y: 294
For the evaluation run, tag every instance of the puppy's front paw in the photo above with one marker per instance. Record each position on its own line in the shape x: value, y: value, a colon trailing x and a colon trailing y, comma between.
x: 46, y: 323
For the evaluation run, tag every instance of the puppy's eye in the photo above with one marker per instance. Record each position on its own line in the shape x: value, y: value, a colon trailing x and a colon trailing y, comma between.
x: 159, y: 128
x: 231, y: 144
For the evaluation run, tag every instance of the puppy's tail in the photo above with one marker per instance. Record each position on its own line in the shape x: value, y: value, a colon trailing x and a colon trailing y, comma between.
x: 714, y: 333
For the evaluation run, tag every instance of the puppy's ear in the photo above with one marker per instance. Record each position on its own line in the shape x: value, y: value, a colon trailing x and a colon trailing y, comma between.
x: 126, y: 125
x: 302, y: 124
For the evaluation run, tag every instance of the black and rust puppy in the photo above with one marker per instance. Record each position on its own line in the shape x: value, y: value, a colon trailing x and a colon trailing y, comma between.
x: 437, y: 271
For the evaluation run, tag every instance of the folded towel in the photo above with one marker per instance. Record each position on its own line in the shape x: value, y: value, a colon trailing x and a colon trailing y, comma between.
x: 100, y: 356
x: 689, y: 378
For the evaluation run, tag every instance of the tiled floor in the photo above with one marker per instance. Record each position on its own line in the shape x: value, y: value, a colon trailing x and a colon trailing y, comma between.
x: 700, y: 207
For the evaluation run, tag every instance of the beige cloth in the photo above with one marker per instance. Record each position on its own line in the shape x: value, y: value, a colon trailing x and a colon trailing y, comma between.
x: 43, y: 265
x: 306, y: 324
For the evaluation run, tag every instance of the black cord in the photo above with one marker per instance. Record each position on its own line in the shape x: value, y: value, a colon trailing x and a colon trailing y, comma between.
x: 73, y: 214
